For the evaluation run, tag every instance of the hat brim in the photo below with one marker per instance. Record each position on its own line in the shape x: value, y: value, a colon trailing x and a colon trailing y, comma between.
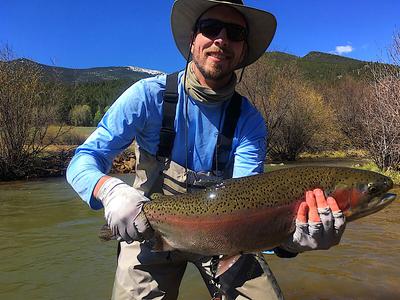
x: 261, y: 26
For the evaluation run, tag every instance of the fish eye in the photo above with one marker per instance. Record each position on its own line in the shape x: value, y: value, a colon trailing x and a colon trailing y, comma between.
x: 372, y: 188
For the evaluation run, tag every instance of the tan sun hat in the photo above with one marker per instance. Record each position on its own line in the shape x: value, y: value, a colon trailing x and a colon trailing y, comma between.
x: 261, y: 25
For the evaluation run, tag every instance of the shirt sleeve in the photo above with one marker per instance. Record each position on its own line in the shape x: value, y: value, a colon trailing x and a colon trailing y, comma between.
x: 115, y: 132
x: 251, y: 135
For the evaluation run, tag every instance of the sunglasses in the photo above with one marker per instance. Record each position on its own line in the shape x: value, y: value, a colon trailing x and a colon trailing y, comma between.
x: 211, y: 28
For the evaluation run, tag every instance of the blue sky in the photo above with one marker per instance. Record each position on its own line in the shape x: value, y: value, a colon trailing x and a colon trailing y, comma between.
x: 88, y: 33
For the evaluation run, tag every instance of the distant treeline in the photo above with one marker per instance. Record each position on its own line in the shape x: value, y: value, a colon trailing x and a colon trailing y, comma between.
x: 84, y: 104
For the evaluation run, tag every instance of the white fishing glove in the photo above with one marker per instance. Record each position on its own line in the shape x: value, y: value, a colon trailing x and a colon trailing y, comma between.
x: 122, y: 206
x: 324, y: 227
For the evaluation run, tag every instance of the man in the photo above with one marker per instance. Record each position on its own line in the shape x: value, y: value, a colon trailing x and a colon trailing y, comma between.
x: 216, y: 38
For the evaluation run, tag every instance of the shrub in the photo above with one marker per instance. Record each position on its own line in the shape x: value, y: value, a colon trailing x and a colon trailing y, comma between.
x: 81, y: 115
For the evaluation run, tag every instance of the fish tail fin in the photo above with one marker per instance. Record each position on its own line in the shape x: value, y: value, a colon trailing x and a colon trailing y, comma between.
x: 105, y: 234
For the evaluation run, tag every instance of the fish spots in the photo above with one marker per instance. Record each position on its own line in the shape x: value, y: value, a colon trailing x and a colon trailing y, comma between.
x: 263, y: 192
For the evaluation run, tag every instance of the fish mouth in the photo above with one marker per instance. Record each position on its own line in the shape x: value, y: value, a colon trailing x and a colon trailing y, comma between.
x: 376, y: 204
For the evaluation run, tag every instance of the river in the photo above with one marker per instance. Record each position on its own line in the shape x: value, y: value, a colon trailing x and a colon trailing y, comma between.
x: 49, y: 250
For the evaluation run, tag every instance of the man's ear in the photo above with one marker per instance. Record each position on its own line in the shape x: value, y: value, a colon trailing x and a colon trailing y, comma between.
x: 192, y: 38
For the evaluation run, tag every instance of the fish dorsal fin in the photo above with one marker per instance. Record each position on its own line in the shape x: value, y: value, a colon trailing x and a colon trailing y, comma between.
x: 225, y: 263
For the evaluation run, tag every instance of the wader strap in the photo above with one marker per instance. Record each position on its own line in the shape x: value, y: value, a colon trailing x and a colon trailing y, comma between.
x: 167, y: 132
x: 225, y: 137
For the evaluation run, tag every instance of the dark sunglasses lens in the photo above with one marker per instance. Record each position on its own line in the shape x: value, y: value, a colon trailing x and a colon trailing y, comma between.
x: 236, y: 33
x: 211, y: 28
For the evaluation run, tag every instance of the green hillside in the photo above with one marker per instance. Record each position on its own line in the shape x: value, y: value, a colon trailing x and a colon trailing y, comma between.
x: 319, y: 66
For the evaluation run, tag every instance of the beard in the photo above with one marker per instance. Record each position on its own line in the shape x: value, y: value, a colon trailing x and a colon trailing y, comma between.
x: 217, y: 72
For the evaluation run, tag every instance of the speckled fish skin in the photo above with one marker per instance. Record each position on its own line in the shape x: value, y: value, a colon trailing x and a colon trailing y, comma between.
x: 258, y: 212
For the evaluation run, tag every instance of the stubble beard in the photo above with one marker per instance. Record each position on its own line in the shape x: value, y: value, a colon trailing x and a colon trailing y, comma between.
x: 216, y: 73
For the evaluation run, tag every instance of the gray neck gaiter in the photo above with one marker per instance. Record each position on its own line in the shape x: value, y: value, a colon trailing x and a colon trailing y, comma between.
x: 207, y: 95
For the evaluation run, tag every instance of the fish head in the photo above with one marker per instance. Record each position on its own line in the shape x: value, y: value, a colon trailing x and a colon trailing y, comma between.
x: 362, y: 193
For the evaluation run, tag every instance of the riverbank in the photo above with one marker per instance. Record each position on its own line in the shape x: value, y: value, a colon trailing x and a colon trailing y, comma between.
x: 361, y: 161
x: 55, y: 161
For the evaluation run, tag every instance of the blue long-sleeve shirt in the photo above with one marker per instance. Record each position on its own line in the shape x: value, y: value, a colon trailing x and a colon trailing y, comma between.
x: 137, y: 114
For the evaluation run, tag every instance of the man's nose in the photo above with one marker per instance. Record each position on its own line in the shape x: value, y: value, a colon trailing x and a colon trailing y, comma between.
x: 222, y: 38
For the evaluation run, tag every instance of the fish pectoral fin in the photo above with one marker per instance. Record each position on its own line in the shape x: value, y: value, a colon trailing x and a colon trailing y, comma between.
x: 225, y: 263
x: 159, y: 244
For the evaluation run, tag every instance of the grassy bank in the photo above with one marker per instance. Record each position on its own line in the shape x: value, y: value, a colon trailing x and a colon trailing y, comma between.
x: 350, y: 153
x: 395, y: 175
x: 353, y: 153
x: 75, y: 136
x: 69, y: 135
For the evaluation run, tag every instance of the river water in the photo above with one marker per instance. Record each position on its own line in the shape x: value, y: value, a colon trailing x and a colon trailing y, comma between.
x: 49, y: 250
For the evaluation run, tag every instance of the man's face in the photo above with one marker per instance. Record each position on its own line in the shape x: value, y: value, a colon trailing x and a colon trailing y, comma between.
x: 217, y: 57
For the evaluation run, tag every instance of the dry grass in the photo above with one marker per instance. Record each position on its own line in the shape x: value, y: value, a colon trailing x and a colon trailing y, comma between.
x: 395, y: 175
x: 69, y: 135
x: 351, y: 153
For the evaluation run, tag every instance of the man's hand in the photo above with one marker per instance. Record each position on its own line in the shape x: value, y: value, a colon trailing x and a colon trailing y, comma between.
x: 319, y: 224
x: 122, y: 206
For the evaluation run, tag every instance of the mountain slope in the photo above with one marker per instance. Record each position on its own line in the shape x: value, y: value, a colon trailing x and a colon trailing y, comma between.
x: 319, y: 66
x: 316, y: 66
x: 98, y: 74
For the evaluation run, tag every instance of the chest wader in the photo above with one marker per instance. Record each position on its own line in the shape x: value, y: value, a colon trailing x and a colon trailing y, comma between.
x: 162, y: 175
x: 178, y: 179
x: 142, y: 273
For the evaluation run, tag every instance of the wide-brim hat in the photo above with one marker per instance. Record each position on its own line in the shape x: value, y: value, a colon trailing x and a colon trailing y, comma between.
x: 261, y: 25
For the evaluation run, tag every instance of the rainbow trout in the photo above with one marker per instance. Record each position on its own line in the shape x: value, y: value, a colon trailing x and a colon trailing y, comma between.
x: 258, y: 212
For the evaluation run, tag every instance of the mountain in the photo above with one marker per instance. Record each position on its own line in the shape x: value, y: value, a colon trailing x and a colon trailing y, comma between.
x: 329, y: 58
x: 281, y: 56
x: 316, y: 66
x: 319, y: 66
x: 98, y: 74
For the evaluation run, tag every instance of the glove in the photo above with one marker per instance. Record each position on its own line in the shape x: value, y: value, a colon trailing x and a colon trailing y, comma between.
x: 122, y: 210
x: 321, y: 228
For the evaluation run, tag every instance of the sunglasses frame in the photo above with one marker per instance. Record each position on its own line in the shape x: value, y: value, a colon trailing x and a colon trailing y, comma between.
x: 234, y: 32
